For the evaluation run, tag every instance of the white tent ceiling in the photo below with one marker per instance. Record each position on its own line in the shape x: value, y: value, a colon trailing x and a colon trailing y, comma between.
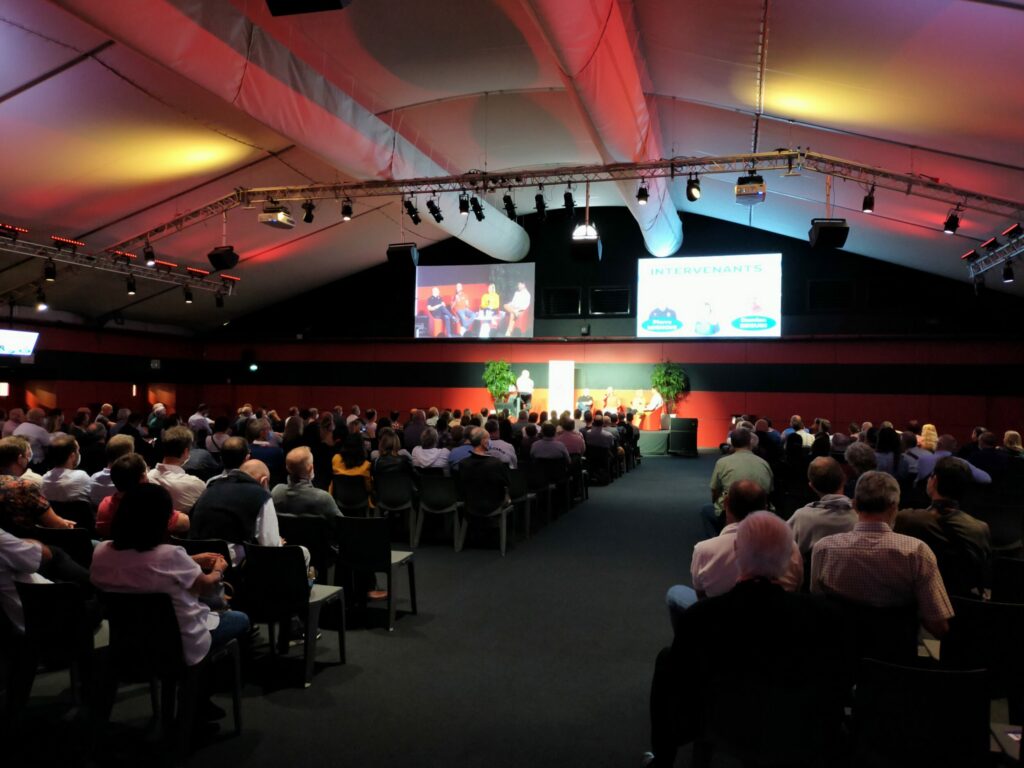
x: 117, y: 115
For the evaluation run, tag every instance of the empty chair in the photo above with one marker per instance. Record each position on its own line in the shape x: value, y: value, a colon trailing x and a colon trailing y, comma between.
x: 499, y: 513
x: 580, y: 477
x: 520, y: 495
x: 59, y: 629
x: 365, y: 547
x: 1007, y: 580
x: 985, y: 635
x: 81, y: 512
x: 439, y: 495
x: 543, y: 490
x: 396, y: 495
x: 76, y: 542
x: 884, y: 634
x: 599, y: 463
x: 907, y: 716
x: 556, y: 472
x: 351, y: 494
x: 317, y: 534
x: 1006, y: 522
x: 277, y: 588
x: 146, y: 646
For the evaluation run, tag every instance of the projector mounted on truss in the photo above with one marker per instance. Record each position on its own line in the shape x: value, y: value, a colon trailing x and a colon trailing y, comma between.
x: 750, y: 189
x: 276, y: 215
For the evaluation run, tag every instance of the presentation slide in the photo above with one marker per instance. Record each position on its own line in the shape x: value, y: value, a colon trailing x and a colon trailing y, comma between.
x: 19, y: 343
x: 478, y: 301
x: 720, y: 297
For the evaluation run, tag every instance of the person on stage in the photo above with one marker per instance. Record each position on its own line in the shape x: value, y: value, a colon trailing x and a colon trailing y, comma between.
x: 490, y: 300
x: 439, y: 310
x: 525, y: 386
x: 519, y: 304
x: 586, y: 402
x: 460, y: 307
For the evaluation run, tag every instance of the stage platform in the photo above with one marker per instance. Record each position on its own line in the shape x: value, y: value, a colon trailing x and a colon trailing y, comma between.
x: 654, y: 442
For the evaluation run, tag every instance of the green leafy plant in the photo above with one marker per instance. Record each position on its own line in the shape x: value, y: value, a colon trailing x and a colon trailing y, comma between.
x: 498, y: 377
x: 669, y: 380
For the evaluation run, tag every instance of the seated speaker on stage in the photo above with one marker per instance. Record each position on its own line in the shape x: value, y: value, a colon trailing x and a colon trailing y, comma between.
x: 585, y: 402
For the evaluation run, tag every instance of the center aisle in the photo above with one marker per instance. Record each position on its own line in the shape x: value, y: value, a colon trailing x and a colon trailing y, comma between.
x: 542, y: 658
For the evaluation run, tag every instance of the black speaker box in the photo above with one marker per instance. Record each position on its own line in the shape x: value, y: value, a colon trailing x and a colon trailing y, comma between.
x: 586, y: 250
x: 295, y: 7
x: 828, y: 233
x: 682, y: 437
x: 223, y: 257
x: 403, y: 254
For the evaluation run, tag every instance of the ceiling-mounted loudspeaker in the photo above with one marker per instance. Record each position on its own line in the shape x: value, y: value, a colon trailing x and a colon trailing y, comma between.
x: 828, y: 233
x: 403, y: 254
x: 586, y: 249
x: 294, y: 7
x: 223, y: 257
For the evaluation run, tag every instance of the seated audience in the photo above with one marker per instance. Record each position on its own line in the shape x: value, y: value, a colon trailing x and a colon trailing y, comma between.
x: 21, y: 460
x: 946, y: 446
x: 570, y: 438
x: 548, y: 447
x: 763, y: 639
x: 911, y: 452
x: 860, y: 458
x: 15, y: 418
x: 962, y: 544
x: 500, y: 449
x: 485, y: 478
x: 988, y: 458
x: 461, y: 446
x: 352, y: 461
x: 741, y: 464
x: 170, y: 473
x: 414, y: 429
x: 392, y: 457
x: 64, y: 482
x: 126, y: 472
x: 257, y: 433
x: 887, y: 455
x: 201, y: 463
x: 427, y: 454
x: 873, y: 565
x: 20, y: 560
x: 1012, y: 444
x: 299, y: 496
x: 22, y: 504
x: 34, y: 430
x: 831, y: 513
x: 137, y: 560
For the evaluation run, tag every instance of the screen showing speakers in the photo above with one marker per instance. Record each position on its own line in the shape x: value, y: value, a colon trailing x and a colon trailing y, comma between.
x: 17, y: 343
x: 475, y: 302
x: 710, y: 297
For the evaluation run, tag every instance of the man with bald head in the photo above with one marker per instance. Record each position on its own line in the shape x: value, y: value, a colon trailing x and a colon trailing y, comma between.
x: 831, y: 513
x: 239, y: 509
x: 299, y: 496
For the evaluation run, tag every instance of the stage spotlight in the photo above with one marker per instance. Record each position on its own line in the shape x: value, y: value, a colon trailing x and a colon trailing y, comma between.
x: 50, y: 271
x: 569, y: 202
x: 642, y: 194
x: 346, y: 210
x: 991, y: 244
x: 952, y: 223
x: 435, y: 211
x: 1012, y: 232
x: 478, y: 209
x: 41, y: 305
x: 541, y: 205
x: 868, y: 206
x: 130, y: 284
x: 150, y: 255
x: 464, y: 204
x: 970, y: 256
x: 414, y: 215
x: 188, y: 295
x: 510, y: 206
x: 308, y: 207
x: 1007, y: 272
x: 219, y: 300
x: 693, y: 189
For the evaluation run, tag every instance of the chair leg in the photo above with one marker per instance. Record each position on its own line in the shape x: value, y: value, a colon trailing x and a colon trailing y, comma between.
x: 342, y: 650
x: 461, y: 527
x: 272, y: 634
x: 391, y: 602
x: 412, y: 527
x: 504, y: 531
x: 236, y: 685
x: 526, y: 515
x: 309, y: 647
x: 412, y: 585
x: 188, y: 698
x: 415, y: 541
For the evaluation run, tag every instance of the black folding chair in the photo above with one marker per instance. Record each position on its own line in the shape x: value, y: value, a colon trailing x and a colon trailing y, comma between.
x: 365, y: 547
x: 396, y: 495
x: 1007, y: 580
x: 80, y: 512
x: 599, y: 463
x: 521, y: 496
x: 439, y: 495
x: 317, y: 534
x: 76, y: 542
x: 351, y: 494
x: 556, y: 473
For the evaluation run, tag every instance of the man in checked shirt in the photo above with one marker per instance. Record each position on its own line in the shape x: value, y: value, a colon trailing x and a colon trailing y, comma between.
x: 875, y: 566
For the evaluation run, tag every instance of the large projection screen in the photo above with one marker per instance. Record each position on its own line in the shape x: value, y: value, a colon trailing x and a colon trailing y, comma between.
x: 17, y: 343
x: 721, y: 297
x: 477, y: 301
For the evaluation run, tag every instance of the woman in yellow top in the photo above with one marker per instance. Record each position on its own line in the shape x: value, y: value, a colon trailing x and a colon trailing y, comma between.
x: 352, y: 462
x: 490, y: 300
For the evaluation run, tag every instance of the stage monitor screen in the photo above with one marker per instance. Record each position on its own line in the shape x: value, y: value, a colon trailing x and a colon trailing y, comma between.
x: 719, y: 297
x: 17, y: 343
x: 478, y: 301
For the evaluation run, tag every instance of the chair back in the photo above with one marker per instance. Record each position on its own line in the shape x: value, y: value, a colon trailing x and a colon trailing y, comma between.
x: 886, y: 634
x: 81, y: 512
x: 985, y: 635
x: 350, y: 493
x: 518, y: 487
x: 76, y: 542
x: 910, y: 716
x: 394, y: 490
x: 1007, y: 580
x: 145, y: 641
x: 554, y: 470
x: 430, y: 471
x: 56, y: 621
x: 438, y: 492
x: 364, y: 543
x: 314, y: 532
x: 276, y: 583
x: 1005, y: 521
x: 201, y: 546
x: 599, y: 460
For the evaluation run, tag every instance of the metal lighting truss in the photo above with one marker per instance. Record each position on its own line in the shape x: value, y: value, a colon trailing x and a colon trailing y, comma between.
x: 118, y: 263
x: 997, y: 255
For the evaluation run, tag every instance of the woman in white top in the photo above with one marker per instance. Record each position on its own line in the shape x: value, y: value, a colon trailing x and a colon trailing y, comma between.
x: 427, y: 454
x: 136, y: 560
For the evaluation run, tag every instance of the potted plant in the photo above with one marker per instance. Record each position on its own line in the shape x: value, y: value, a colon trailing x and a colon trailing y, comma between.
x: 669, y: 380
x: 498, y: 377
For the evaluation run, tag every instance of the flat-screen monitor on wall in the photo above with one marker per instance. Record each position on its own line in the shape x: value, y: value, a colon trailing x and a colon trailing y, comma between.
x: 478, y: 301
x: 717, y: 297
x: 17, y: 343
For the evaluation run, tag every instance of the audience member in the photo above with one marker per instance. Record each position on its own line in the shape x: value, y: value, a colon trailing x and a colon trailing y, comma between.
x: 127, y: 472
x: 65, y: 482
x: 860, y: 458
x: 22, y: 504
x: 741, y: 464
x: 257, y: 433
x: 20, y: 560
x: 15, y: 418
x: 352, y: 461
x: 299, y: 496
x: 831, y: 513
x: 875, y: 566
x: 887, y: 455
x: 392, y: 457
x: 34, y: 430
x: 485, y: 478
x: 414, y: 429
x: 946, y: 446
x: 427, y: 454
x: 20, y: 460
x: 500, y: 449
x: 548, y: 447
x: 170, y: 473
x: 102, y: 485
x: 988, y: 458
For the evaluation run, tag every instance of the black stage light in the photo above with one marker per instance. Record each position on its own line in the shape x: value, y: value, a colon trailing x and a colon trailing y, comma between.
x: 130, y: 285
x: 541, y: 205
x: 41, y: 305
x: 1007, y: 272
x: 478, y: 209
x: 410, y: 209
x: 868, y: 206
x: 510, y: 206
x: 346, y: 210
x: 569, y: 202
x: 693, y: 189
x: 464, y: 204
x: 435, y: 211
x: 642, y: 194
x: 150, y: 255
x: 50, y: 271
x: 188, y: 295
x: 952, y: 223
x: 308, y: 207
x: 219, y: 300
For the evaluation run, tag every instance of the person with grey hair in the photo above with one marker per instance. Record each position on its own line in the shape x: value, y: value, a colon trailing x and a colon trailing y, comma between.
x: 427, y: 454
x: 831, y: 513
x: 740, y: 464
x: 875, y: 566
x: 750, y: 631
x: 860, y: 458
